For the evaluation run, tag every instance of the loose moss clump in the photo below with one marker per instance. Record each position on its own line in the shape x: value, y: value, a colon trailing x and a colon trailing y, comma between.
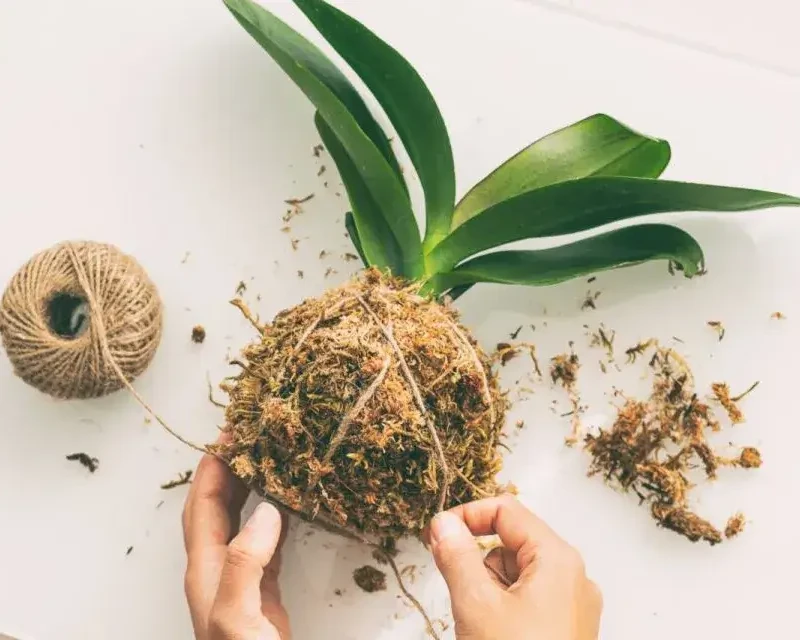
x: 368, y: 409
x: 652, y: 446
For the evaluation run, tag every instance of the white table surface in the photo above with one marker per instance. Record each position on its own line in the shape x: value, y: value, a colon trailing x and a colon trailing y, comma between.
x: 161, y: 127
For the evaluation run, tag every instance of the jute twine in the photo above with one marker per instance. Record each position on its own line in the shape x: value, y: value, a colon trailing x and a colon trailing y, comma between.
x: 80, y: 320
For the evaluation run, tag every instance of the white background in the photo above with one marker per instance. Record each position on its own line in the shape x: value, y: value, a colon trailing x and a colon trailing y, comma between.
x: 162, y: 128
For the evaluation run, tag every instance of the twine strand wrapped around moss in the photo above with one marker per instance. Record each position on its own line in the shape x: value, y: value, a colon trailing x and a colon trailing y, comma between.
x: 387, y: 331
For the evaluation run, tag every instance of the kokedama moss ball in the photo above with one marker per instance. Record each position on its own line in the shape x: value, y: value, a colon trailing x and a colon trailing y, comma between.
x: 368, y: 408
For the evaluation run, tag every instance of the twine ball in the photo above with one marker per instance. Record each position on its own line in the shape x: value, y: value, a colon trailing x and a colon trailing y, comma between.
x: 79, y: 317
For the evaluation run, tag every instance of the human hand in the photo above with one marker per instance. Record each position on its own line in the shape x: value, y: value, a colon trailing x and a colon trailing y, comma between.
x: 535, y: 586
x: 231, y: 578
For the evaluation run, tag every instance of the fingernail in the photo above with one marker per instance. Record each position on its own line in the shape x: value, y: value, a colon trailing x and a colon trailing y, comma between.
x: 445, y: 525
x: 264, y: 516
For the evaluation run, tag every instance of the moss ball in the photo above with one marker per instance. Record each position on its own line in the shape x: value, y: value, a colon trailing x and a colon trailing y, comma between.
x: 334, y: 412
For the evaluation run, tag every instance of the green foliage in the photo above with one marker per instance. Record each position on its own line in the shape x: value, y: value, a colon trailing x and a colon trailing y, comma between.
x: 407, y: 101
x: 584, y: 204
x: 576, y: 179
x: 327, y: 88
x: 596, y: 146
x: 376, y: 242
x: 610, y: 250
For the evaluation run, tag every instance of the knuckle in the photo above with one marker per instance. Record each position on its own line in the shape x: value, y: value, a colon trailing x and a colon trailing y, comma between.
x: 238, y: 557
x: 191, y: 582
x: 507, y: 501
x: 577, y: 563
x: 185, y: 516
x: 222, y: 627
x: 596, y: 595
x: 188, y: 584
x: 226, y: 623
x: 572, y: 561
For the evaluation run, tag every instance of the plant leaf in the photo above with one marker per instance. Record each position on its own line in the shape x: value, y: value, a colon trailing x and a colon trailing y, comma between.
x: 318, y: 78
x: 378, y: 246
x: 352, y: 231
x: 314, y: 61
x: 580, y: 205
x: 595, y: 146
x: 611, y: 250
x: 406, y: 100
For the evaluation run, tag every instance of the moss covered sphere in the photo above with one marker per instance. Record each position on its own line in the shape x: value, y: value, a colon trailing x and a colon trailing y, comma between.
x: 368, y: 409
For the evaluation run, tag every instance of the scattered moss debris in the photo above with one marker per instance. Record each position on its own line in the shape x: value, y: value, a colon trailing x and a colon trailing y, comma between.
x: 778, y: 316
x: 514, y: 334
x: 323, y: 254
x: 638, y: 350
x: 295, y: 243
x: 183, y: 478
x: 86, y: 460
x: 564, y: 371
x: 300, y: 274
x: 369, y: 579
x: 750, y: 458
x: 321, y: 170
x: 718, y: 327
x: 198, y: 334
x: 735, y: 525
x: 590, y: 301
x: 369, y: 408
x: 241, y: 288
x: 349, y: 257
x: 296, y: 202
x: 330, y: 271
x: 318, y: 149
x: 653, y: 445
x: 605, y: 339
x: 747, y: 391
x: 296, y: 205
x: 722, y: 392
x: 129, y: 551
x: 185, y: 257
x: 506, y: 352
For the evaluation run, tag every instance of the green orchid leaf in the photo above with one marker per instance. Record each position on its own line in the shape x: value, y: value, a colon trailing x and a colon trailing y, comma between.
x: 352, y: 231
x: 611, y: 250
x: 581, y: 205
x: 407, y: 102
x: 318, y: 78
x: 595, y: 146
x: 317, y: 63
x: 376, y: 243
x: 456, y: 292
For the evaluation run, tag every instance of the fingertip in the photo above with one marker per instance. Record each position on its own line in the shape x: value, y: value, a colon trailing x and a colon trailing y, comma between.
x: 459, y: 559
x: 265, y: 520
x: 447, y: 525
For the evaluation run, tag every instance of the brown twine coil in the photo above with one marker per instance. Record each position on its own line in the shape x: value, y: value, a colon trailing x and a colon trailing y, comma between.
x: 80, y: 320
